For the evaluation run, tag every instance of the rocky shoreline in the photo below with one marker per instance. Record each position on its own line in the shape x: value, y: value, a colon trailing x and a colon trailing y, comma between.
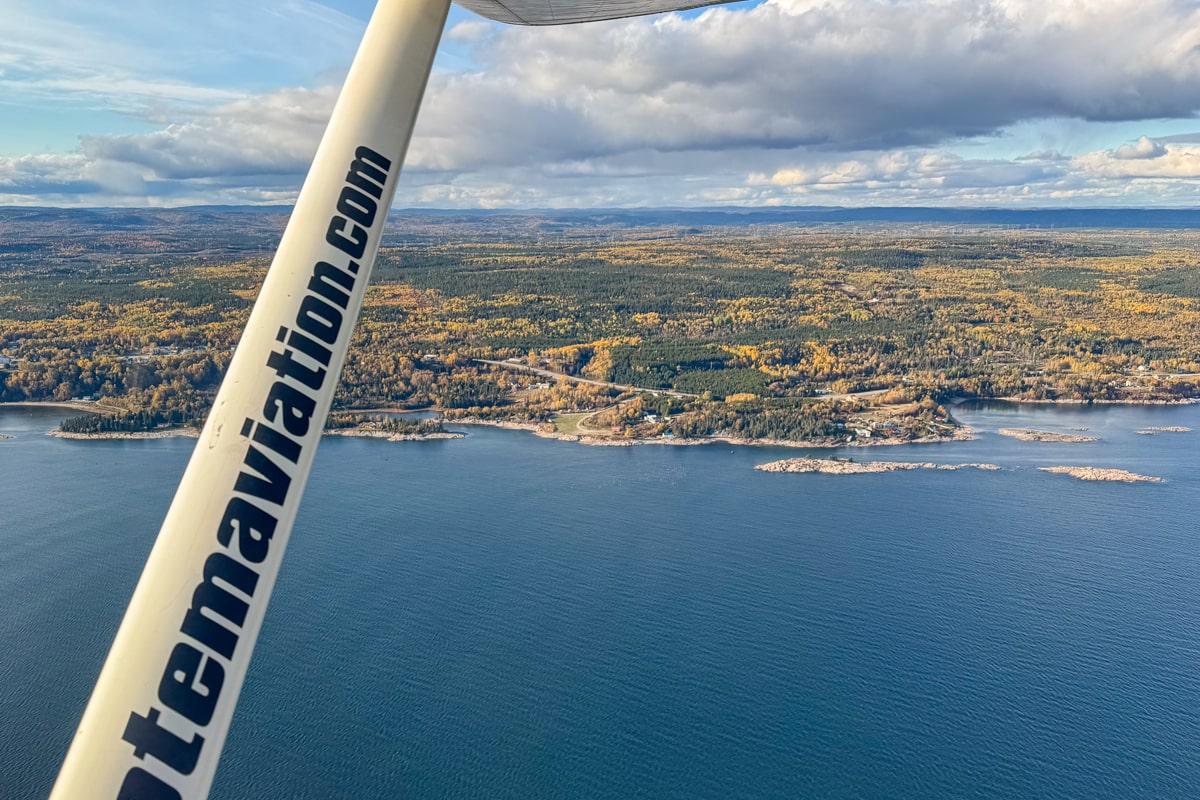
x: 1156, y: 430
x: 1174, y: 401
x: 837, y: 466
x: 194, y: 433
x: 171, y: 433
x: 1032, y: 435
x: 547, y: 431
x: 395, y: 437
x: 1099, y: 474
x: 810, y: 444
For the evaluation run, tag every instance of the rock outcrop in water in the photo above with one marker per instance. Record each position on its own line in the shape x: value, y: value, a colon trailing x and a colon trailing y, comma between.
x: 1098, y: 474
x: 1031, y: 435
x: 844, y: 467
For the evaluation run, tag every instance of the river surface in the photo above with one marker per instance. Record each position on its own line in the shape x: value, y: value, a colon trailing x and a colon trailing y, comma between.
x: 504, y: 616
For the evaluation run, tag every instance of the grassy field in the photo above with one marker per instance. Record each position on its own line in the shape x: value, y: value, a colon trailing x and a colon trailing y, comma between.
x: 569, y: 423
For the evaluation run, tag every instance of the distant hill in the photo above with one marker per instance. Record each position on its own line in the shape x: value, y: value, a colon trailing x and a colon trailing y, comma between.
x: 547, y: 220
x: 821, y: 215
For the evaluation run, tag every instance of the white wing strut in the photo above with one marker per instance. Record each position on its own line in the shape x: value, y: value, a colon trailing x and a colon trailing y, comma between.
x: 157, y: 719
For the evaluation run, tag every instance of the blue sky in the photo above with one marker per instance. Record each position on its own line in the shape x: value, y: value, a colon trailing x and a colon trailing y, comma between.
x: 1012, y: 103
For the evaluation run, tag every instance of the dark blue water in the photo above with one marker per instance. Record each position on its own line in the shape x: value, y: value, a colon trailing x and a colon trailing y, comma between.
x: 508, y: 617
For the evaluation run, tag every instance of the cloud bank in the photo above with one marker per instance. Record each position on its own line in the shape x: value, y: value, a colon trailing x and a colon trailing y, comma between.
x: 791, y: 101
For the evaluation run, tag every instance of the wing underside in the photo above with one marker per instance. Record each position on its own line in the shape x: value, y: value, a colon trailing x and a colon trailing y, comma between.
x: 564, y: 12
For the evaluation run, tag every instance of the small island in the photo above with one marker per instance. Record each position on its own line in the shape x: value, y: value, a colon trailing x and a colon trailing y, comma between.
x: 840, y: 466
x: 1031, y: 435
x: 164, y: 433
x: 383, y: 426
x: 1098, y: 474
x: 395, y: 437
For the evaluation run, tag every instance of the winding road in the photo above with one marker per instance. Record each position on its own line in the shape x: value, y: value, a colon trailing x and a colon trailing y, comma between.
x: 547, y: 373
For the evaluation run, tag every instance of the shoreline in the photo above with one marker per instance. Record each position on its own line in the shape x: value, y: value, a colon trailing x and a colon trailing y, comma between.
x: 803, y: 464
x: 1035, y: 435
x: 168, y: 433
x: 194, y: 433
x: 544, y: 430
x: 963, y: 433
x: 1102, y: 474
x: 829, y: 466
x: 841, y: 466
x: 394, y: 437
x: 1182, y: 401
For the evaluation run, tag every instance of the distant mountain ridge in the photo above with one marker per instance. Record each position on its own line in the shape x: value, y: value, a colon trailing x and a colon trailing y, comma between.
x: 824, y: 215
x: 1113, y: 218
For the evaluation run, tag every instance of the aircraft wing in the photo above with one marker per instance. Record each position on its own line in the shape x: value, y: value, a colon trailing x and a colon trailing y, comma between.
x: 563, y: 12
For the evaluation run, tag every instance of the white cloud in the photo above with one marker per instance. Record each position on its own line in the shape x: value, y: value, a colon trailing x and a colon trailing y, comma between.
x: 905, y: 175
x: 45, y: 174
x: 271, y: 134
x: 840, y: 75
x: 1145, y: 147
x: 256, y: 148
x: 1146, y: 159
x: 471, y: 30
x: 849, y: 101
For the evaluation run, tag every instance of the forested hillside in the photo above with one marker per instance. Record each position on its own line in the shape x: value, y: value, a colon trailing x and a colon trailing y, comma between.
x: 756, y: 329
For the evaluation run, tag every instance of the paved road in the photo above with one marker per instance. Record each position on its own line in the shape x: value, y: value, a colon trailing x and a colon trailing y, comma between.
x: 546, y: 373
x: 75, y: 405
x: 848, y: 395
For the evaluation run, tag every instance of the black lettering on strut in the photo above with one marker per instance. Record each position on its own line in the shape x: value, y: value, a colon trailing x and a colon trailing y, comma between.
x: 272, y: 439
x: 141, y: 785
x: 220, y: 603
x: 368, y: 171
x: 272, y: 486
x: 253, y: 527
x: 297, y: 407
x: 331, y: 283
x: 193, y: 677
x: 319, y: 319
x: 191, y: 683
x: 150, y: 738
x: 286, y: 366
